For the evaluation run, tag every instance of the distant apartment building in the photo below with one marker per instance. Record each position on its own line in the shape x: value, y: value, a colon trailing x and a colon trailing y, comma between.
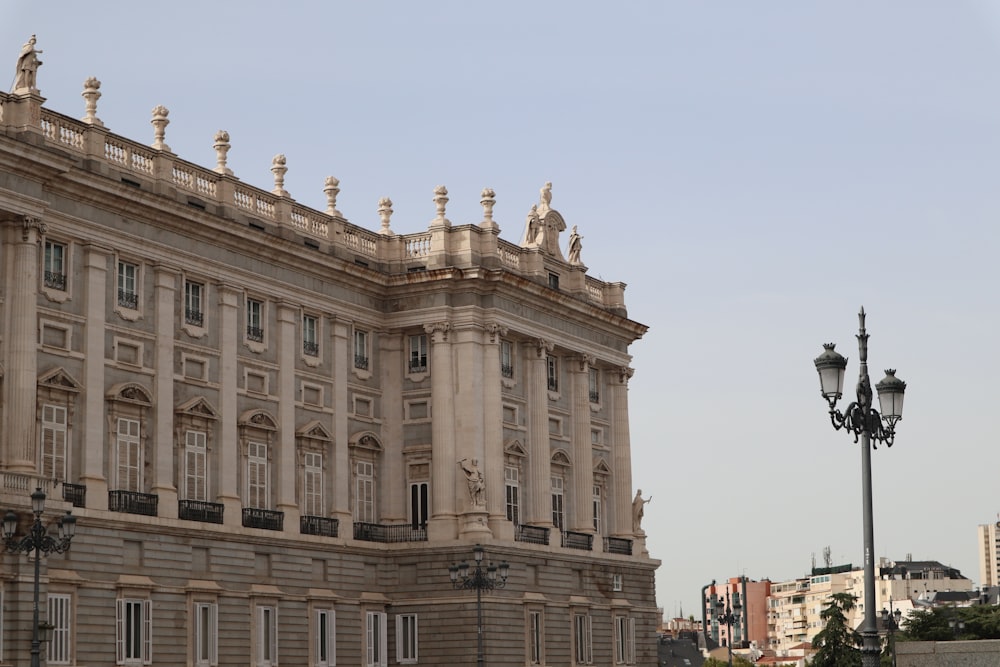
x: 748, y: 601
x: 989, y: 554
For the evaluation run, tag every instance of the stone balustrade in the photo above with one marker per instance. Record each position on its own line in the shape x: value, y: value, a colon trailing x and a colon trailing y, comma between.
x: 158, y: 170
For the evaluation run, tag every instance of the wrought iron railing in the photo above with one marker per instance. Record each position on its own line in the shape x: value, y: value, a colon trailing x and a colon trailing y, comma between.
x: 418, y: 366
x: 595, y: 397
x: 200, y: 510
x: 254, y: 517
x: 361, y: 362
x: 133, y: 502
x: 319, y: 525
x: 194, y: 317
x: 572, y: 540
x: 378, y: 532
x: 618, y: 545
x: 310, y: 349
x: 128, y: 300
x: 55, y: 280
x: 255, y: 334
x: 507, y: 370
x: 531, y: 534
x: 75, y: 494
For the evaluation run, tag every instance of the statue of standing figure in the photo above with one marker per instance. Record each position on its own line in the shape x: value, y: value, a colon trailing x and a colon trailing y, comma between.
x: 27, y: 66
x: 638, y: 509
x: 575, y: 246
x: 474, y: 478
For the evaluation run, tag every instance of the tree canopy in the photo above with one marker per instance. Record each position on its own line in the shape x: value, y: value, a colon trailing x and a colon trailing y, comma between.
x: 837, y: 644
x: 950, y: 623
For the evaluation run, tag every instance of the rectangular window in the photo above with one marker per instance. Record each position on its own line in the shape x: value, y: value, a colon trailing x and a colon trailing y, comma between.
x: 552, y: 373
x: 624, y: 640
x: 255, y: 320
x: 267, y: 636
x: 59, y: 617
x: 419, y: 504
x: 535, y: 638
x: 55, y: 265
x: 406, y: 638
x: 193, y: 312
x: 375, y: 639
x: 558, y: 515
x: 326, y: 643
x: 511, y: 494
x: 53, y: 442
x: 583, y: 648
x: 129, y: 456
x: 134, y: 632
x: 257, y: 475
x: 597, y: 510
x: 312, y: 484
x: 195, y: 466
x: 418, y: 354
x: 595, y: 385
x: 506, y: 359
x: 206, y: 634
x: 361, y: 349
x: 128, y: 297
x: 310, y: 336
x: 554, y: 280
x: 364, y: 498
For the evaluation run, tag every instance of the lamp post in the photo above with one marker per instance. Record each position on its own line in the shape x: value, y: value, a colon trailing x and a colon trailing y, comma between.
x: 891, y: 619
x: 728, y: 615
x: 39, y: 541
x: 866, y: 424
x: 479, y: 579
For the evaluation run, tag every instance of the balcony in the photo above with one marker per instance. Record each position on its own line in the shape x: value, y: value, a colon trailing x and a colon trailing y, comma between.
x: 76, y: 494
x: 128, y: 299
x: 310, y: 348
x: 360, y: 362
x: 531, y: 534
x: 418, y: 365
x: 194, y: 317
x: 56, y: 281
x: 255, y: 334
x: 378, y: 532
x: 319, y: 525
x: 133, y: 502
x: 254, y: 517
x: 583, y: 541
x: 199, y: 510
x: 618, y: 545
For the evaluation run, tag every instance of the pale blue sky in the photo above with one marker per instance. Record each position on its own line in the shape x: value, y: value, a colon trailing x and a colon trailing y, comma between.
x: 754, y: 171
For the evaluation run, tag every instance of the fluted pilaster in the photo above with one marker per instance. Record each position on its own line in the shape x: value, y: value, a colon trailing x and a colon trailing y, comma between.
x: 582, y: 518
x: 288, y: 349
x: 444, y: 487
x: 622, y: 451
x: 229, y: 453
x: 539, y: 457
x: 164, y: 295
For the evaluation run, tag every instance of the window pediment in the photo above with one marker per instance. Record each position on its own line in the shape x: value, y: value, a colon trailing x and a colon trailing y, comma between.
x: 515, y: 448
x: 258, y: 419
x: 59, y: 379
x: 197, y: 407
x: 601, y: 466
x: 130, y: 392
x: 366, y: 440
x: 560, y: 458
x: 315, y: 430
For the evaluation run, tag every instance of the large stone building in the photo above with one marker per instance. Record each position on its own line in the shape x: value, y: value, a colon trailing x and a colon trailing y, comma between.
x: 278, y: 429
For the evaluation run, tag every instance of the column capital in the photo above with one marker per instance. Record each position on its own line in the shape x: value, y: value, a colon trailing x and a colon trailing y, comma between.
x: 496, y: 331
x: 438, y: 331
x: 31, y: 226
x: 622, y: 374
x: 583, y: 362
x: 539, y: 346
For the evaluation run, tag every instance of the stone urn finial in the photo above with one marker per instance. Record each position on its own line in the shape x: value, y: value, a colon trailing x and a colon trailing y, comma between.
x: 441, y: 200
x: 279, y: 170
x: 385, y: 212
x: 488, y: 201
x: 222, y: 147
x: 91, y: 93
x: 331, y: 188
x: 159, y: 123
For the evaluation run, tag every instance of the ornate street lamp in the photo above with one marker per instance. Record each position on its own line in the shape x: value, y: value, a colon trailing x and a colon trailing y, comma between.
x: 479, y: 579
x: 891, y: 619
x: 39, y: 541
x: 729, y: 615
x: 870, y: 427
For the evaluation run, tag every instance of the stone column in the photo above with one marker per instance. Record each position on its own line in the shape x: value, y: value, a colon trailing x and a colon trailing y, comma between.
x: 582, y: 518
x: 470, y: 443
x: 444, y: 462
x: 622, y: 451
x: 288, y: 349
x: 493, y: 434
x: 539, y: 455
x: 95, y: 291
x: 342, y: 363
x: 228, y: 459
x: 394, y: 492
x: 22, y: 360
x: 165, y: 313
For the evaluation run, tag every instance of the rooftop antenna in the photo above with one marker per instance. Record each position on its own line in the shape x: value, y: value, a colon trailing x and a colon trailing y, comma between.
x: 827, y: 558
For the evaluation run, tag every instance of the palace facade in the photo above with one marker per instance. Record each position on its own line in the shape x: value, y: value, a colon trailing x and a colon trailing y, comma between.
x: 277, y: 429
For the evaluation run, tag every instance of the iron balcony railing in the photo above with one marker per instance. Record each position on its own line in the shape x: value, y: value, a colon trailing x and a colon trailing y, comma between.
x: 618, y: 545
x: 255, y: 334
x: 128, y: 300
x: 75, y: 494
x: 310, y: 348
x: 54, y: 280
x: 572, y: 540
x: 133, y: 502
x: 319, y: 525
x: 254, y: 517
x: 194, y: 317
x: 361, y: 362
x: 378, y: 532
x: 200, y: 510
x: 531, y: 534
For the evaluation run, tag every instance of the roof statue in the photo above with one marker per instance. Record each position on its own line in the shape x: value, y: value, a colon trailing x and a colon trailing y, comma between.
x: 27, y: 68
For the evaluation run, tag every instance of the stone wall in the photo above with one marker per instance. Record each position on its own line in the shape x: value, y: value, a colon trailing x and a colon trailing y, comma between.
x: 984, y: 653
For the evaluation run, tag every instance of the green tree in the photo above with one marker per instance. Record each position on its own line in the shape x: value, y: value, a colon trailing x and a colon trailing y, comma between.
x: 837, y: 644
x: 939, y: 624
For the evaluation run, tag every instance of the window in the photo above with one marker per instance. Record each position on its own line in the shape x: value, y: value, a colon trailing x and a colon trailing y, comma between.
x: 59, y: 617
x: 511, y: 494
x: 616, y: 583
x: 133, y: 632
x: 418, y: 354
x: 206, y: 634
x: 406, y: 638
x: 597, y: 510
x: 364, y: 498
x: 325, y: 638
x: 255, y: 320
x: 267, y: 636
x: 128, y: 297
x: 554, y: 280
x: 506, y: 359
x: 419, y: 504
x: 55, y: 265
x: 257, y: 479
x: 536, y: 638
x: 624, y: 640
x: 193, y: 307
x: 361, y: 350
x: 558, y: 515
x: 583, y: 648
x: 53, y: 442
x: 375, y: 639
x: 128, y: 456
x: 552, y: 373
x: 195, y: 466
x: 312, y: 484
x: 595, y: 385
x: 310, y: 337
